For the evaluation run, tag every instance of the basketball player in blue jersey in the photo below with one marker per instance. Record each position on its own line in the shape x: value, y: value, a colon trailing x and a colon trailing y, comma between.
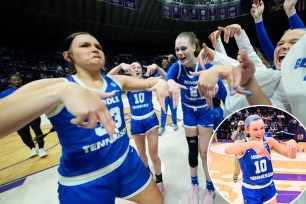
x: 197, y: 115
x: 96, y: 167
x: 254, y: 157
x: 144, y: 122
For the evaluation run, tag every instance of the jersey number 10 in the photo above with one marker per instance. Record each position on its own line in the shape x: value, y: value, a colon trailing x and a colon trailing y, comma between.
x: 139, y: 98
x: 261, y: 166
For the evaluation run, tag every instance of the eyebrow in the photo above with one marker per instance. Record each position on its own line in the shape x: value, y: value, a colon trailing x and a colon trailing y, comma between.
x: 88, y: 42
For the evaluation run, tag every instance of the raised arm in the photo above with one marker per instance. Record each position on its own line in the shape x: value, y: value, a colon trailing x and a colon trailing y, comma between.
x: 265, y: 42
x: 215, y: 57
x: 293, y: 17
x: 123, y: 66
x: 154, y: 67
x: 216, y: 41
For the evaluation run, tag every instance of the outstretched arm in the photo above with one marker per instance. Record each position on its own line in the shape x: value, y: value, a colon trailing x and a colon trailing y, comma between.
x: 27, y: 104
x: 235, y: 76
x: 240, y: 146
x: 287, y: 149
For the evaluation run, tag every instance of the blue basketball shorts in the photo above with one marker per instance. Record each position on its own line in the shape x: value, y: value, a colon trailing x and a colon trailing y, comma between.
x: 129, y: 179
x: 142, y: 127
x: 197, y: 116
x: 259, y: 196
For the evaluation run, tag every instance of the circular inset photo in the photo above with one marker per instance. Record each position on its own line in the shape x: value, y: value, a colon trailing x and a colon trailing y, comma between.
x: 258, y: 155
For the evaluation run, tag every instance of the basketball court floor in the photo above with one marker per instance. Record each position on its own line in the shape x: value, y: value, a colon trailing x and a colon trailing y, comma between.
x: 34, y: 180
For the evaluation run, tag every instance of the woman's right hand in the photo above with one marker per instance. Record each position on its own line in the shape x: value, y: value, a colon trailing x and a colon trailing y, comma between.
x: 242, y: 74
x: 150, y: 69
x: 174, y: 91
x: 235, y: 76
x: 289, y: 7
x: 259, y: 148
x: 87, y: 104
x: 257, y: 10
x: 214, y: 36
x: 230, y: 31
x: 204, y: 56
x: 126, y: 67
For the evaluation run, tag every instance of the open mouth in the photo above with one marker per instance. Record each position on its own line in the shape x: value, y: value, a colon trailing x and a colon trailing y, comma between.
x: 281, y: 58
x: 182, y: 59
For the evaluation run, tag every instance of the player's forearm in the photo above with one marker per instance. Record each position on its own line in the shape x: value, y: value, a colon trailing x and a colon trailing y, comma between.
x: 162, y: 72
x: 114, y: 70
x: 135, y: 84
x: 258, y: 97
x: 17, y: 110
x: 238, y: 148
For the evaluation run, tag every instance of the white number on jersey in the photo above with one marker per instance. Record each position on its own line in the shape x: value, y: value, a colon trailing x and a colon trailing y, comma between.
x: 115, y: 113
x: 193, y: 92
x: 261, y: 166
x: 139, y: 98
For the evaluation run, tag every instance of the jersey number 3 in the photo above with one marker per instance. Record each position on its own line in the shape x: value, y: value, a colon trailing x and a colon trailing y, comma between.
x: 115, y: 113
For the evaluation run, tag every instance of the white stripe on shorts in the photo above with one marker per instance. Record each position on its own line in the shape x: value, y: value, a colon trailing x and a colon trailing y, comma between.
x: 256, y: 186
x: 84, y: 178
x: 143, y: 116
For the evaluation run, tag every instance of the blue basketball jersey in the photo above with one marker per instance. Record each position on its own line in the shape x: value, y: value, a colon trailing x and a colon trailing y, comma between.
x: 191, y: 96
x: 7, y: 92
x: 140, y: 102
x: 257, y: 170
x: 87, y: 150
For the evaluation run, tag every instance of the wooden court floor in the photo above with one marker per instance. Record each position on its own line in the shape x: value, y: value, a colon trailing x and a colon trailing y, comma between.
x: 221, y: 168
x: 14, y: 154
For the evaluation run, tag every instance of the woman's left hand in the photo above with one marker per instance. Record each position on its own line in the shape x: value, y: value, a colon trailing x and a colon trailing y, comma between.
x: 162, y: 91
x: 291, y: 146
x: 150, y: 69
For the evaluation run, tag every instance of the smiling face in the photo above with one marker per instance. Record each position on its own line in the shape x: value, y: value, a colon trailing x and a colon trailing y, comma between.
x: 165, y: 63
x: 256, y: 129
x: 85, y: 52
x: 184, y: 51
x: 136, y: 70
x: 284, y: 45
